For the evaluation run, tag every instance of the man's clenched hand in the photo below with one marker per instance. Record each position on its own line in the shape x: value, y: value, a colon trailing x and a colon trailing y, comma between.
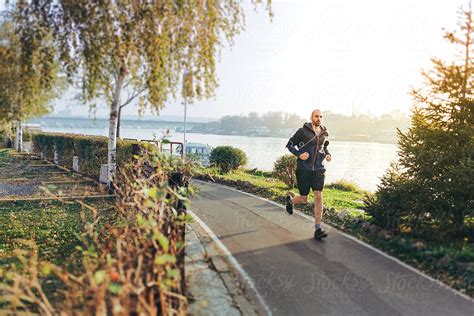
x: 304, y: 156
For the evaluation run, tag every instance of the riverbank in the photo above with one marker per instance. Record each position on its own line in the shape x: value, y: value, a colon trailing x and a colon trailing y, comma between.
x: 451, y: 263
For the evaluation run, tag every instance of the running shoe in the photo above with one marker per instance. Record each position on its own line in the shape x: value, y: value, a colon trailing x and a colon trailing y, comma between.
x: 289, y: 204
x: 319, y: 234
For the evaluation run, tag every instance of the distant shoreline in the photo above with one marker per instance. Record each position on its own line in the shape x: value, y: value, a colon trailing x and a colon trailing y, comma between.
x: 177, y: 127
x: 342, y: 139
x: 352, y: 140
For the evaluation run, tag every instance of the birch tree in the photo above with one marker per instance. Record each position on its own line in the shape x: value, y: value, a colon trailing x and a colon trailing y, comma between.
x: 168, y: 48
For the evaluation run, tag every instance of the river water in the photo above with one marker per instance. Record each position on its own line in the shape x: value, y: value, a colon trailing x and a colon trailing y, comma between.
x: 358, y: 162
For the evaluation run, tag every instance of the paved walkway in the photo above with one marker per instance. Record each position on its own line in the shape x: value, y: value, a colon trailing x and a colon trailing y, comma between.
x: 297, y: 275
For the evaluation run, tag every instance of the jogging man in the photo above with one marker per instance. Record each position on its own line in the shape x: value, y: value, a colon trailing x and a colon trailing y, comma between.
x: 309, y: 144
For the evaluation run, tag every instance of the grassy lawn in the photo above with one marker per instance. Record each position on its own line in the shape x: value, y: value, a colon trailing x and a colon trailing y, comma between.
x: 338, y: 196
x: 4, y: 155
x: 55, y: 227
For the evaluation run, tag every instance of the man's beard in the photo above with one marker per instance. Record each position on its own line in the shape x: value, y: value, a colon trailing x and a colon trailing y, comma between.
x: 317, y: 123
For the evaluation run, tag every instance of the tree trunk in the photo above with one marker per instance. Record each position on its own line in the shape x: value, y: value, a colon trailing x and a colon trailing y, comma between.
x: 17, y: 132
x: 19, y: 137
x: 113, y: 119
x: 184, y: 137
x: 118, y: 121
x: 459, y: 223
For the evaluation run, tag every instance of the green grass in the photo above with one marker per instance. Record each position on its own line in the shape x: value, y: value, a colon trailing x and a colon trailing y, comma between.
x: 5, y: 155
x: 55, y: 228
x: 264, y: 182
x: 338, y: 197
x: 345, y: 186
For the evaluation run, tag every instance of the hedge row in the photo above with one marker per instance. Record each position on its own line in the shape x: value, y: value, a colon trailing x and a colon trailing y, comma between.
x: 91, y: 150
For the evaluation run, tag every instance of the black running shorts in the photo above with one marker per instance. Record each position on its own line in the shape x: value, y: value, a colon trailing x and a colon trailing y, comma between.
x: 310, y: 179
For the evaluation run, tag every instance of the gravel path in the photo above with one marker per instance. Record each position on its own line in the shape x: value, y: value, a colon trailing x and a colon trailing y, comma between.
x: 22, y: 175
x: 12, y: 181
x: 23, y: 189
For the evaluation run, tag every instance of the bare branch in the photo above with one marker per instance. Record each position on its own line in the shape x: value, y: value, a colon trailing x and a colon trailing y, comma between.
x: 134, y: 95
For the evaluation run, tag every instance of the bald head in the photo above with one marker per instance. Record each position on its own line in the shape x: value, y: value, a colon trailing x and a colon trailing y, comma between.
x: 316, y: 117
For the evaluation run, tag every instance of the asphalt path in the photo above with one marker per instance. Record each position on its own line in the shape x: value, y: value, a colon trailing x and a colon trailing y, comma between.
x: 297, y: 275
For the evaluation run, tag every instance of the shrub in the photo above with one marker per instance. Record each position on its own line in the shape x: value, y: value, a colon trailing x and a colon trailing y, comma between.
x: 227, y: 158
x: 91, y: 150
x: 27, y: 136
x: 405, y: 202
x: 260, y: 173
x: 284, y: 169
x: 344, y: 186
x: 395, y: 202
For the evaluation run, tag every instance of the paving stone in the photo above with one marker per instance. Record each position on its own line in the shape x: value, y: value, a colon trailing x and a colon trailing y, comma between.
x: 206, y: 285
x: 211, y: 285
x: 220, y: 264
x: 194, y: 248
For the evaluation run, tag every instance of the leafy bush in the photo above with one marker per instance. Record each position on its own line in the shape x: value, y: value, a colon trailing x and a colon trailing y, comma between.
x: 398, y: 201
x: 91, y: 150
x: 227, y: 158
x: 284, y: 169
x: 260, y: 173
x: 27, y: 136
x: 344, y: 186
x: 405, y: 203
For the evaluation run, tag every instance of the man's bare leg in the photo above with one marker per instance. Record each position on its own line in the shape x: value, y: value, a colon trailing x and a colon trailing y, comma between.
x: 318, y: 215
x: 300, y: 199
x: 318, y: 207
x: 318, y: 204
x: 291, y: 199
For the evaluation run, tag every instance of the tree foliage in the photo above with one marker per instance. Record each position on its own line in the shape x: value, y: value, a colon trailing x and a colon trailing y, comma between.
x: 152, y: 46
x: 29, y: 76
x: 437, y: 152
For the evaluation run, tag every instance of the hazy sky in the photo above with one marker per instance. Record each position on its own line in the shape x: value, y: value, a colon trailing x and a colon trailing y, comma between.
x: 335, y: 55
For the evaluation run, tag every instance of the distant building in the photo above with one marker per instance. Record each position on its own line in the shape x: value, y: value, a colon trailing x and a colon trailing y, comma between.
x: 284, y: 132
x: 258, y: 131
